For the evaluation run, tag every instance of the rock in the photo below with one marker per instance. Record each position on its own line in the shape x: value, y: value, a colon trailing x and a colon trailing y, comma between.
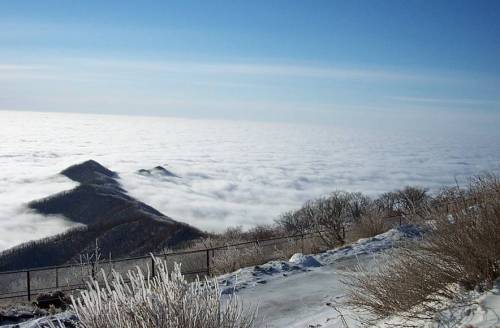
x: 14, y: 316
x: 90, y: 172
x: 57, y: 299
x: 158, y: 171
x: 144, y: 172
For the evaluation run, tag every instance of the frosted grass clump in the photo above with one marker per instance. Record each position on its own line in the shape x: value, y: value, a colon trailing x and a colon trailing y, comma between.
x: 166, y: 300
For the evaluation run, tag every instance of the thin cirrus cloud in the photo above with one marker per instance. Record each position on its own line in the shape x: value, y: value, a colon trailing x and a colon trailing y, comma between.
x: 67, y: 67
x: 263, y: 69
x: 230, y: 89
x: 449, y: 101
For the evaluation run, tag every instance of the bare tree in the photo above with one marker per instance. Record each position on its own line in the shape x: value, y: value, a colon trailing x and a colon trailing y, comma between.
x: 300, y: 221
x: 334, y: 213
x: 91, y: 264
x: 411, y: 200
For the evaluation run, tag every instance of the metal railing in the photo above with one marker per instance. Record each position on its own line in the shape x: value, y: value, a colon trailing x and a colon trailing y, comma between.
x: 26, y: 283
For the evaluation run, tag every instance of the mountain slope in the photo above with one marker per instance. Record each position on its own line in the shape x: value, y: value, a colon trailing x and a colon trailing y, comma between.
x: 123, y: 225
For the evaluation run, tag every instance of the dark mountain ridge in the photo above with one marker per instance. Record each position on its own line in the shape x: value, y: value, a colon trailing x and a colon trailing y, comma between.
x: 122, y: 225
x: 157, y: 170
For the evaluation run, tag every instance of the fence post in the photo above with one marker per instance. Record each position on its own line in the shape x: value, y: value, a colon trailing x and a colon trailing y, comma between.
x: 208, y: 262
x: 57, y: 278
x: 28, y: 284
x: 302, y: 242
x: 152, y: 267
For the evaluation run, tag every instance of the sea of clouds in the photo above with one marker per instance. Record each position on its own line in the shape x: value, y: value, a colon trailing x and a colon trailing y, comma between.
x: 229, y: 173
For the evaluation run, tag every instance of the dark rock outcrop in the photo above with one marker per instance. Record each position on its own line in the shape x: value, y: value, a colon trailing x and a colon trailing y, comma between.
x: 57, y: 299
x: 123, y: 225
x: 91, y: 172
x: 157, y: 170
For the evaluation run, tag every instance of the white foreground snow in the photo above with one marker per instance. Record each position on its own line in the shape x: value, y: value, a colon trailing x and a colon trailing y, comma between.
x: 301, y: 292
x: 296, y: 293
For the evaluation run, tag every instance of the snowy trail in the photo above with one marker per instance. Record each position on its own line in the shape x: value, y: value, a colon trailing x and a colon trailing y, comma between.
x: 295, y: 293
x: 300, y: 300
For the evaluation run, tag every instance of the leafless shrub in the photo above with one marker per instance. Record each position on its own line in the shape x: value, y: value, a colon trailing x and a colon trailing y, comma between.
x: 370, y: 224
x: 469, y: 239
x: 327, y: 216
x: 235, y: 235
x: 232, y: 234
x: 410, y: 200
x: 166, y: 300
x: 91, y: 263
x: 263, y: 231
x: 409, y: 279
x: 299, y: 221
x: 336, y: 212
x: 232, y: 258
x: 462, y: 250
x: 291, y: 246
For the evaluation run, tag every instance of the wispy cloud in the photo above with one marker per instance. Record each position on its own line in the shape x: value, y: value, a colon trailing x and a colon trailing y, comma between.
x: 95, y: 68
x: 53, y: 72
x: 14, y: 67
x: 449, y: 101
x: 263, y: 69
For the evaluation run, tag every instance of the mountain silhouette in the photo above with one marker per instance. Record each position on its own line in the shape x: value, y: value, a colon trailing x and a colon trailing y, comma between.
x: 122, y: 225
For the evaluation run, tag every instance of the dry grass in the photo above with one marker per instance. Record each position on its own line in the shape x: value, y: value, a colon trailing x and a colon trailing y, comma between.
x: 232, y: 258
x: 370, y: 224
x: 462, y: 250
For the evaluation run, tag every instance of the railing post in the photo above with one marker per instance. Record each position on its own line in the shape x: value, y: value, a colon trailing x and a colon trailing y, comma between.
x: 302, y: 242
x: 28, y: 284
x: 57, y: 278
x: 152, y: 267
x: 208, y: 262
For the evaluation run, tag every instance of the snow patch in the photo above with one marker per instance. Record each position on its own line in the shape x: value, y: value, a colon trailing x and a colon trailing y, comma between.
x: 304, y: 260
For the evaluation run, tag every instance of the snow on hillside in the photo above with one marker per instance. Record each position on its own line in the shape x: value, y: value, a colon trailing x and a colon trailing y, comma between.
x: 323, y: 262
x: 306, y: 291
x: 470, y: 310
x: 295, y: 293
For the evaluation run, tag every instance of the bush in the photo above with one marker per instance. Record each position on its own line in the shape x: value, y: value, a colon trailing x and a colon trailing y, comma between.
x: 408, y: 201
x: 166, y: 300
x: 370, y: 224
x: 56, y: 299
x: 461, y: 250
x: 328, y: 216
x: 232, y: 258
x: 299, y: 221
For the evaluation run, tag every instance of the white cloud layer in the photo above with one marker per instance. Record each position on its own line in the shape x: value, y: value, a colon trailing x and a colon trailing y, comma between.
x: 230, y: 173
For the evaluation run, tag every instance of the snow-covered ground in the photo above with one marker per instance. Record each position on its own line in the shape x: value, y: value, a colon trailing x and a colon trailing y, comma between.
x: 300, y: 292
x: 307, y: 291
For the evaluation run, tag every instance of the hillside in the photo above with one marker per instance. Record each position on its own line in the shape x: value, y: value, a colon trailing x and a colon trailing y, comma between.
x: 123, y: 225
x: 307, y: 290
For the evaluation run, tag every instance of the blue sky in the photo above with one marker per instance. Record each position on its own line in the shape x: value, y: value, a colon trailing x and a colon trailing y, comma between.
x: 340, y: 62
